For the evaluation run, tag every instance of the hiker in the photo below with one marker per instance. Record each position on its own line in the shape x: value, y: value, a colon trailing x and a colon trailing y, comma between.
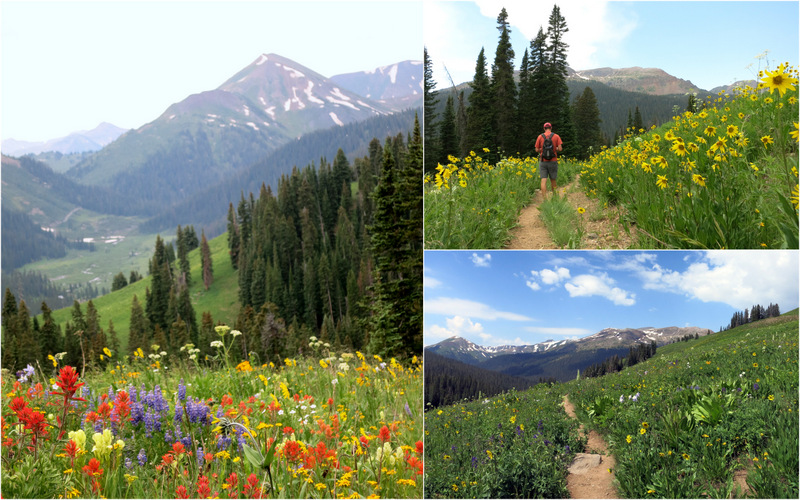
x: 546, y: 145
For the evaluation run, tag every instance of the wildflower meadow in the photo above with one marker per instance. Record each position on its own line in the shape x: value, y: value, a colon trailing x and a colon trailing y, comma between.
x: 722, y: 176
x: 470, y: 203
x: 715, y: 417
x: 687, y: 422
x: 516, y: 445
x: 331, y: 425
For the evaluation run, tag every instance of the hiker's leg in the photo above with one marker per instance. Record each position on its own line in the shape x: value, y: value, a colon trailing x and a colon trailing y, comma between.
x: 544, y: 175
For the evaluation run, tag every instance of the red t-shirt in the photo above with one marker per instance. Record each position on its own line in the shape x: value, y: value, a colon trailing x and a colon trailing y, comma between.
x: 556, y: 143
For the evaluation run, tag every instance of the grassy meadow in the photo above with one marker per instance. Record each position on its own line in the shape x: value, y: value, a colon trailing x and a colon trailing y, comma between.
x: 682, y: 424
x: 221, y: 298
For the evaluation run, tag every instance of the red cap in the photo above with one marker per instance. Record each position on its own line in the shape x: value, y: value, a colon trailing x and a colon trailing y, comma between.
x: 547, y: 125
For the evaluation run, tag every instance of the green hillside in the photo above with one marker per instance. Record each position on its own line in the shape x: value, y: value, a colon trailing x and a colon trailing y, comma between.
x: 682, y: 424
x: 221, y: 299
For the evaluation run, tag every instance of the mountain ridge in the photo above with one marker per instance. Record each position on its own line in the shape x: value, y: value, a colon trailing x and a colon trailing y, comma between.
x: 210, y: 135
x: 463, y: 350
x: 75, y: 142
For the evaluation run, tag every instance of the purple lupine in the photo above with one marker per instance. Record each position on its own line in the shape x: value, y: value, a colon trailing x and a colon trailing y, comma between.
x: 137, y: 412
x: 755, y: 386
x: 178, y: 414
x: 474, y: 462
x: 168, y: 437
x: 187, y: 442
x: 223, y: 442
x: 142, y: 457
x: 200, y: 455
x: 182, y: 390
x: 152, y: 422
x: 128, y: 463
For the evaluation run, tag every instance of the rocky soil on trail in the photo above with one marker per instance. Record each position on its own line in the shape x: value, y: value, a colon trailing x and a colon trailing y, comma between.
x: 589, y: 475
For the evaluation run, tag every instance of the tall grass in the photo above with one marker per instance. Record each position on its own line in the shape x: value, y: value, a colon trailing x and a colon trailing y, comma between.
x: 472, y: 204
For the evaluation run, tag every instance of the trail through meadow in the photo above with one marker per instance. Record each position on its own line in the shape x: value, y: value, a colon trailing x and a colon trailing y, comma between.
x: 601, y: 226
x: 589, y: 475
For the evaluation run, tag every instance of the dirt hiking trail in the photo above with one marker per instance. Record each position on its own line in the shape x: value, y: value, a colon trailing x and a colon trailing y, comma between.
x: 589, y: 475
x: 598, y: 222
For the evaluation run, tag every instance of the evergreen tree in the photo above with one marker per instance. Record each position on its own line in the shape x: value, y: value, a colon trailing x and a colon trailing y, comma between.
x: 206, y: 335
x: 638, y: 125
x: 430, y: 101
x: 448, y: 139
x: 183, y: 256
x: 119, y: 282
x: 342, y: 175
x: 233, y: 237
x: 139, y: 329
x: 205, y: 257
x: 691, y: 106
x: 10, y: 336
x: 479, y: 113
x: 74, y: 338
x: 536, y: 100
x: 461, y: 126
x: 113, y: 339
x: 504, y: 90
x: 27, y: 347
x: 50, y: 339
x: 587, y: 123
x: 555, y: 90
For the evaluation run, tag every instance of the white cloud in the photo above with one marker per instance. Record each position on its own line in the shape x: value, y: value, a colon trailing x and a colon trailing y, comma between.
x: 548, y: 277
x: 459, y: 326
x: 554, y: 277
x: 479, y: 261
x: 428, y: 282
x: 460, y: 307
x: 588, y: 285
x: 737, y: 278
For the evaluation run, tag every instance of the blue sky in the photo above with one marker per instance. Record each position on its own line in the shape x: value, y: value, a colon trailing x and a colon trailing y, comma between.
x: 708, y: 43
x: 67, y: 66
x: 525, y: 297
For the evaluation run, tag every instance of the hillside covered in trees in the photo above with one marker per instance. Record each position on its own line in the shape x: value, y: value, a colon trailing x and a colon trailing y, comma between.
x: 504, y: 111
x: 335, y: 252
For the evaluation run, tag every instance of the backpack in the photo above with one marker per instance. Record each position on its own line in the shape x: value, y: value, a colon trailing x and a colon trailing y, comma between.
x: 548, y: 152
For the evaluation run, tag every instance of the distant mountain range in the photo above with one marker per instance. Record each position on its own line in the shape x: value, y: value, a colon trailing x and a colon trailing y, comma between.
x: 653, y: 81
x: 202, y: 152
x: 558, y: 359
x: 212, y: 136
x: 398, y: 86
x: 76, y: 142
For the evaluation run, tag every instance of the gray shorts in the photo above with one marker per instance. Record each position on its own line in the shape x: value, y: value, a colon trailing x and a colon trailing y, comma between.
x: 548, y: 169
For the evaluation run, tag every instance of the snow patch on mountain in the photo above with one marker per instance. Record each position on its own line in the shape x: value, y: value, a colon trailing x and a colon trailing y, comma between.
x: 310, y: 95
x: 335, y: 119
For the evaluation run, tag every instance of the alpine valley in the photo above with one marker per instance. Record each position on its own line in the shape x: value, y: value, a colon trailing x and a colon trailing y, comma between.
x: 185, y: 167
x: 557, y: 359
